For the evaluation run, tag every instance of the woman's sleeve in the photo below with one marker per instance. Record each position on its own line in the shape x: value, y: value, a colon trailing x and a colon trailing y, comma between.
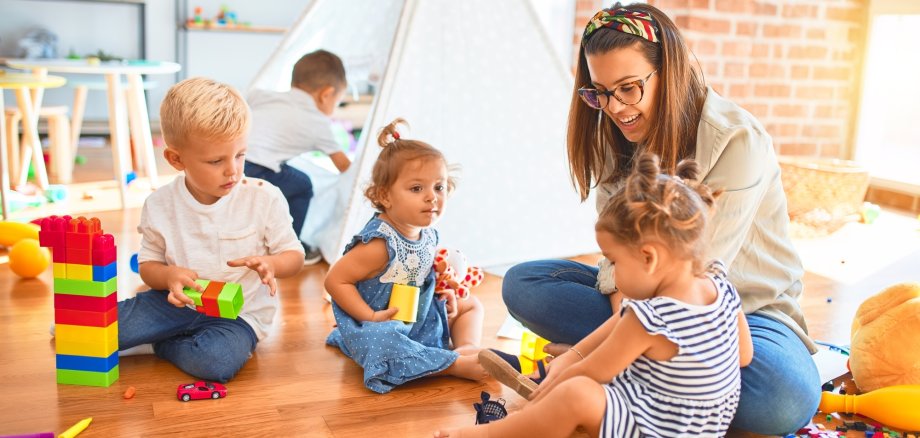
x: 742, y: 171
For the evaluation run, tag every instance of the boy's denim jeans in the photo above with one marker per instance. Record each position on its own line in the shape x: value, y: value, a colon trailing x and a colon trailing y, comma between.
x: 206, y: 347
x: 780, y: 389
x: 295, y: 186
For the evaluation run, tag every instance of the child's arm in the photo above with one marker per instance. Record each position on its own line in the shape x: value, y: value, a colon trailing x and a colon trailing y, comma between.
x: 362, y: 262
x: 160, y: 276
x: 281, y: 265
x: 627, y: 340
x: 745, y: 344
x: 340, y: 160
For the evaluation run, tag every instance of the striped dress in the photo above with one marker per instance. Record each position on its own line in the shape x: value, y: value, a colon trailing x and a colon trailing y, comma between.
x: 693, y: 394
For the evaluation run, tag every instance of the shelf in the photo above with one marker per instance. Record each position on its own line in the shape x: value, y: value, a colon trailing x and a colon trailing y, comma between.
x: 236, y: 28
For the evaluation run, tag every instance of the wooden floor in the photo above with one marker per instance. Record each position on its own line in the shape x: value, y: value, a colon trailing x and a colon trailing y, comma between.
x: 294, y: 385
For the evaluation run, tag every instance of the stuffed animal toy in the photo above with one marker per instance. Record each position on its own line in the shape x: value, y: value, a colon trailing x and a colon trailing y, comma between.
x: 454, y: 273
x: 885, y: 348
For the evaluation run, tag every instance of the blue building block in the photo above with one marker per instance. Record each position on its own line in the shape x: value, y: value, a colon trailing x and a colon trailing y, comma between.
x: 105, y: 273
x: 87, y: 363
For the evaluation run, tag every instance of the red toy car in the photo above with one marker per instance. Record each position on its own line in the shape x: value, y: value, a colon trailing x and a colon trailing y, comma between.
x: 200, y: 390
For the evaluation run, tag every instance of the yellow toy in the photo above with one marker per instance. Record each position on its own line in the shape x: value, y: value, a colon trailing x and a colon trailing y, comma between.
x: 896, y: 406
x: 12, y: 232
x: 406, y: 299
x: 885, y: 348
x: 28, y: 259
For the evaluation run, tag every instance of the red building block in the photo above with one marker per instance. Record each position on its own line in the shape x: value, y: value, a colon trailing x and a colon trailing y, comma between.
x: 85, y: 303
x: 86, y: 318
x: 104, y: 250
x: 76, y: 256
x: 209, y: 298
x: 80, y: 233
x: 52, y: 231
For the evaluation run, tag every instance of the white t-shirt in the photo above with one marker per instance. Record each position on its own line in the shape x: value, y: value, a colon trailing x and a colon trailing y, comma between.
x: 252, y: 220
x: 285, y: 125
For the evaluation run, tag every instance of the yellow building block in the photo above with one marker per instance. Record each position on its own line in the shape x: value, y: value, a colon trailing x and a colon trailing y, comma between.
x: 78, y: 340
x: 532, y: 346
x: 79, y: 272
x: 60, y: 270
x: 529, y: 366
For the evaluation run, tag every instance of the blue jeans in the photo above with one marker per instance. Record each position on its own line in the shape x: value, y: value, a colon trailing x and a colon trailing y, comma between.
x: 295, y: 186
x: 780, y: 389
x: 206, y: 347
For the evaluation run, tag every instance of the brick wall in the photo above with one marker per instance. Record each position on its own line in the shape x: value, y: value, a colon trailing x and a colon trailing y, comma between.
x: 795, y: 65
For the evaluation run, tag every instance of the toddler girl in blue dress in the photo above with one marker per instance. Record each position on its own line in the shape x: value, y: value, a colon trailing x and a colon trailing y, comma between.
x: 409, y: 187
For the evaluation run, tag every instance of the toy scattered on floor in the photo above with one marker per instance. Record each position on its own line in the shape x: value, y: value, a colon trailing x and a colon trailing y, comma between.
x: 218, y: 299
x: 455, y: 274
x: 56, y: 193
x: 31, y: 435
x: 76, y: 428
x: 129, y: 393
x: 895, y: 406
x: 28, y: 259
x: 406, y: 299
x: 12, y: 232
x: 200, y: 390
x: 884, y: 346
x: 85, y: 300
x: 489, y: 410
x: 869, y: 212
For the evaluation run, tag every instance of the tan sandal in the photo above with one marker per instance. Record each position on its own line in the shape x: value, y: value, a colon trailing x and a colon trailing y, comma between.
x: 501, y: 366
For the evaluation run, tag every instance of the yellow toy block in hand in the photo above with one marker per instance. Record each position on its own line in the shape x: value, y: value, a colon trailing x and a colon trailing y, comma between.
x: 529, y: 366
x: 406, y: 298
x: 532, y: 346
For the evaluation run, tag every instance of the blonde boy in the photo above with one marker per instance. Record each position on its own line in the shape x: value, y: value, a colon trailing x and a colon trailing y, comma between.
x: 210, y: 223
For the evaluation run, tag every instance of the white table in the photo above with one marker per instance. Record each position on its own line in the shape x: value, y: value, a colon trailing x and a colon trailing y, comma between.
x: 121, y: 113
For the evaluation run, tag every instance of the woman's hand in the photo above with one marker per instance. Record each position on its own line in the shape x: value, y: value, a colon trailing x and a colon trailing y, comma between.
x: 178, y: 278
x: 556, y: 373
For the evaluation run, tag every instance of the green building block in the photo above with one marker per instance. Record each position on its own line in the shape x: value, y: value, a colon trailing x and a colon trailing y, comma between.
x: 194, y: 294
x: 87, y: 378
x: 230, y: 300
x: 87, y: 288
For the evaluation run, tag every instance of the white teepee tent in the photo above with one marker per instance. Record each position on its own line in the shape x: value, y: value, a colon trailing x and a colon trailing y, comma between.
x: 477, y: 79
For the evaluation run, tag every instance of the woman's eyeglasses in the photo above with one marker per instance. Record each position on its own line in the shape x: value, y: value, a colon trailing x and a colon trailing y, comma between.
x: 629, y: 93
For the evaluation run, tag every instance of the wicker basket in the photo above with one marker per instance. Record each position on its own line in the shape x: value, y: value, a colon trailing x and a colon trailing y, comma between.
x: 823, y: 189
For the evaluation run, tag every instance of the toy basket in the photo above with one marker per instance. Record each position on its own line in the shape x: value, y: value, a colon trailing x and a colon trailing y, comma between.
x: 823, y: 192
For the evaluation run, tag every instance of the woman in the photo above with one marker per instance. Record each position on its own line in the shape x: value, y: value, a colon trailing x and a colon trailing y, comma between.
x: 635, y: 91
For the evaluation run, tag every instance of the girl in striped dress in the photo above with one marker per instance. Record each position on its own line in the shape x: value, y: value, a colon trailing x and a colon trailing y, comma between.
x: 667, y: 363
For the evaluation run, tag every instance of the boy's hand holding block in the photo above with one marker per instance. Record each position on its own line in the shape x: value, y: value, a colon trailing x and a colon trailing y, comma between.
x: 218, y: 299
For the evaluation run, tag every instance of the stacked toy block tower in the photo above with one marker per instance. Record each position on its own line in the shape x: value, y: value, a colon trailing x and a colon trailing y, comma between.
x: 85, y: 300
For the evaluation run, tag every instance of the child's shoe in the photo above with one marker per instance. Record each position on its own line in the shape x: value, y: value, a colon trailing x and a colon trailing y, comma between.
x: 489, y: 410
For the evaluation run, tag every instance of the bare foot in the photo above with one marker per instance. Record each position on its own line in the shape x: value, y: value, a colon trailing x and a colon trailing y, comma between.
x: 556, y: 349
x: 443, y: 434
x: 468, y: 349
x: 467, y: 367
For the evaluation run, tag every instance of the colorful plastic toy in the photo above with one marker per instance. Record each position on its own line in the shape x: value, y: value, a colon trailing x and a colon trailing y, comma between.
x: 85, y: 307
x: 218, y: 299
x: 406, y: 299
x: 28, y: 259
x: 895, y: 406
x: 12, y: 232
x: 200, y: 390
x: 531, y: 352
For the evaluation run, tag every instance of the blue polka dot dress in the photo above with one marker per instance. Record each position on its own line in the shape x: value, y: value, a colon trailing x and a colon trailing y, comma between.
x: 394, y: 352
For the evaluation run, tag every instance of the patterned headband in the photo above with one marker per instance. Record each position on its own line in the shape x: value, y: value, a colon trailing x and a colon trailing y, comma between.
x: 639, y: 24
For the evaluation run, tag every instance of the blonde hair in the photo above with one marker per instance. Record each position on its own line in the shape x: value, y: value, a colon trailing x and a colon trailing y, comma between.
x: 593, y: 137
x: 317, y: 70
x: 396, y: 153
x: 204, y: 109
x: 655, y: 206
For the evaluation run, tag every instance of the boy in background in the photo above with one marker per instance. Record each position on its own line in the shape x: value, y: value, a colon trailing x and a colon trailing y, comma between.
x: 212, y: 223
x: 287, y: 124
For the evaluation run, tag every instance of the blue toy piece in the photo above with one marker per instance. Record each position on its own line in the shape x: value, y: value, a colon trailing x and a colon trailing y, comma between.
x: 134, y: 265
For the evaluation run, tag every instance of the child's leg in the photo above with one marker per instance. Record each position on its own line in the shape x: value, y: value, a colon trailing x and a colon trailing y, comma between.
x: 579, y: 401
x: 215, y: 349
x: 466, y: 367
x: 466, y: 328
x: 148, y: 318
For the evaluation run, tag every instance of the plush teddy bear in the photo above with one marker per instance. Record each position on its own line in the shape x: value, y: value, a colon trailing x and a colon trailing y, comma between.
x: 885, y: 347
x: 454, y: 273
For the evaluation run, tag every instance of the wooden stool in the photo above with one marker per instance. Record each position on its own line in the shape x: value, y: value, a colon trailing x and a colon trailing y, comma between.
x: 59, y: 138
